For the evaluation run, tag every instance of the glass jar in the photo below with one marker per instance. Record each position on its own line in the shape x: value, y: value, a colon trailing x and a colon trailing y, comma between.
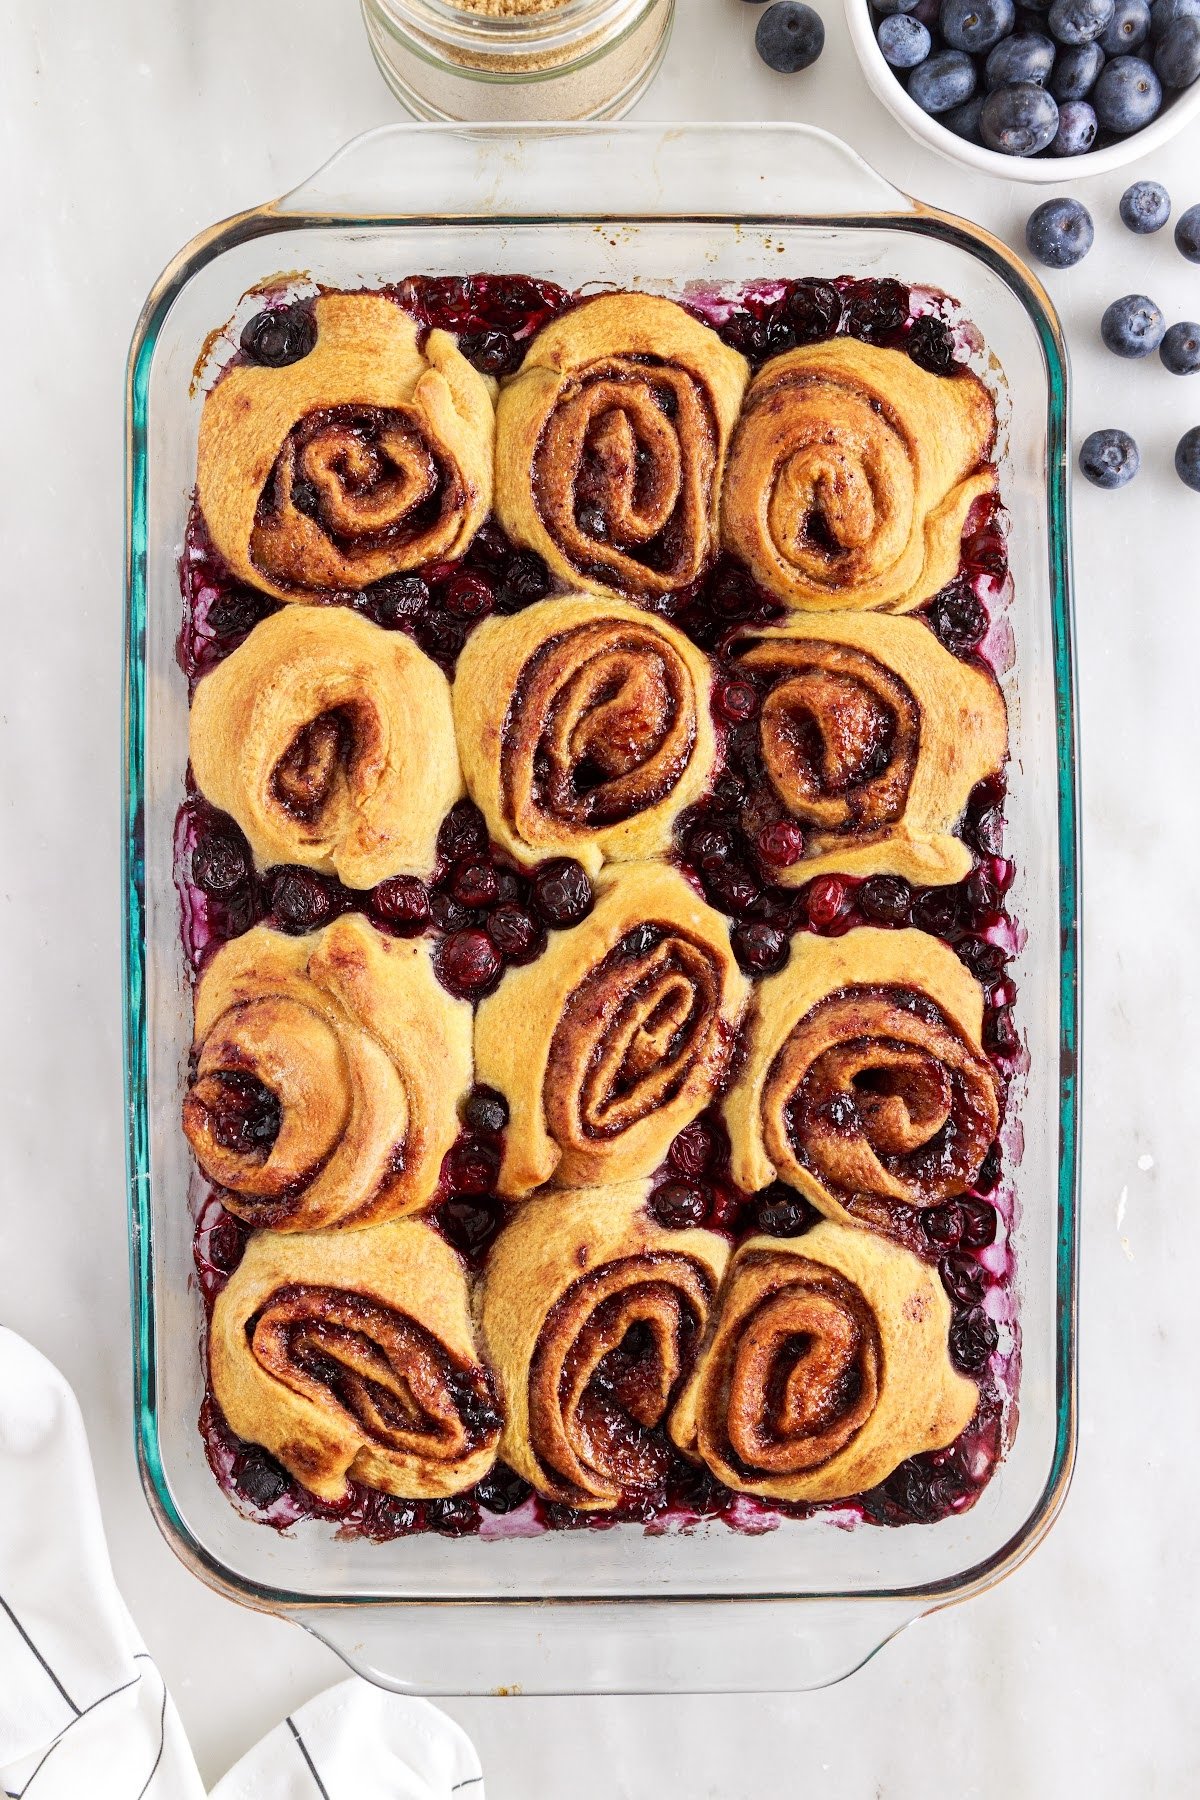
x: 536, y: 59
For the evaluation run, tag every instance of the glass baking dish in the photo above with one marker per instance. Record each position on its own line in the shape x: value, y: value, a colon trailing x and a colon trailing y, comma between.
x: 618, y: 1610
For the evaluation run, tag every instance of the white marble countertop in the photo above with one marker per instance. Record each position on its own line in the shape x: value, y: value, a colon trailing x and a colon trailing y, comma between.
x: 125, y: 128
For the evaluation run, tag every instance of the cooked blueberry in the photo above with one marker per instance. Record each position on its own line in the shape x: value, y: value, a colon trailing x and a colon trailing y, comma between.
x: 485, y: 1110
x: 678, y: 1204
x: 930, y: 343
x: 1145, y: 207
x: 1060, y: 232
x: 402, y: 902
x: 975, y: 25
x: 1127, y: 95
x: 1177, y: 54
x: 491, y: 352
x: 1187, y: 458
x: 1180, y: 348
x: 973, y: 1337
x: 1079, y: 21
x: 886, y: 899
x: 1019, y: 120
x: 760, y: 949
x: 562, y: 892
x: 1075, y: 71
x: 963, y: 120
x: 301, y: 900
x: 280, y: 336
x: 526, y: 579
x: 1109, y: 458
x: 1132, y: 326
x: 905, y: 42
x: 942, y: 81
x: 781, y: 1212
x: 1076, y: 129
x: 220, y: 861
x: 1015, y: 59
x: 1187, y: 234
x: 259, y: 1478
x: 1128, y: 28
x: 813, y: 309
x: 790, y: 36
x: 502, y: 1490
x: 959, y: 618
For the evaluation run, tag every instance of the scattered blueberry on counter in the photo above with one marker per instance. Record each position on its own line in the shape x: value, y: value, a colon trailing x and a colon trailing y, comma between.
x: 790, y: 36
x: 1187, y: 234
x: 1187, y: 458
x: 1059, y: 233
x: 1109, y: 458
x: 1042, y: 78
x: 1145, y: 207
x: 1180, y: 348
x: 1132, y: 326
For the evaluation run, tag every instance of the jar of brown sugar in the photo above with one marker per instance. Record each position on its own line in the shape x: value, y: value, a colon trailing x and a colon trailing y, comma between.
x: 518, y: 59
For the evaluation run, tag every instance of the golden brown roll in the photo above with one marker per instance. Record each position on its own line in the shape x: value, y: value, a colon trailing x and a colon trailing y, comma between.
x: 864, y: 1083
x: 331, y: 742
x: 873, y: 736
x: 326, y: 1075
x: 352, y: 1357
x: 591, y: 1315
x: 584, y: 728
x: 825, y: 1366
x: 610, y: 443
x: 851, y: 475
x: 616, y: 1038
x: 370, y: 455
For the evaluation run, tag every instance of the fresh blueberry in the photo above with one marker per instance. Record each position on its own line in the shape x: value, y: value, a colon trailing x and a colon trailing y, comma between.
x: 1128, y: 28
x: 1109, y: 458
x: 1014, y: 59
x: 1075, y: 71
x: 963, y: 120
x: 790, y: 36
x: 887, y: 7
x: 1187, y: 458
x: 1127, y: 95
x: 1132, y: 326
x: 1076, y: 129
x: 975, y: 25
x: 1059, y: 233
x: 945, y: 80
x: 1177, y: 54
x: 1145, y: 207
x: 1180, y: 348
x: 1165, y: 12
x: 1079, y: 21
x: 1019, y: 120
x: 905, y: 42
x: 1187, y: 234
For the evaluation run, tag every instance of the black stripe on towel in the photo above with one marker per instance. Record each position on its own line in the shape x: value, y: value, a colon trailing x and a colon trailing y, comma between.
x: 322, y: 1790
x: 32, y: 1647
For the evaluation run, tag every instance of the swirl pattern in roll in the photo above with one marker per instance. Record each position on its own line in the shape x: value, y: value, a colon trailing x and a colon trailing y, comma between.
x: 864, y: 1083
x: 584, y: 728
x: 610, y: 443
x: 325, y: 1077
x: 616, y: 1038
x: 352, y: 1357
x: 331, y: 742
x: 826, y: 1365
x: 368, y: 456
x: 851, y: 475
x: 872, y: 735
x: 591, y: 1315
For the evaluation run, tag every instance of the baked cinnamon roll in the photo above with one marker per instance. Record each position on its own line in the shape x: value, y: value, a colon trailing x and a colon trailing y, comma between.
x: 865, y: 1084
x: 851, y: 475
x: 331, y: 742
x: 872, y: 735
x: 825, y: 1367
x: 617, y: 1037
x: 591, y: 1315
x: 352, y: 1357
x: 326, y: 1075
x: 610, y: 443
x: 584, y: 728
x: 368, y: 456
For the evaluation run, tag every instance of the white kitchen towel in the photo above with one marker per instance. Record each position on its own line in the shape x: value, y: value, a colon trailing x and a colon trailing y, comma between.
x: 83, y: 1709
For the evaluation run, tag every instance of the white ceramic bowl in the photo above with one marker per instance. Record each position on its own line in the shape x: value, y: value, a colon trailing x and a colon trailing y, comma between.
x: 1180, y: 109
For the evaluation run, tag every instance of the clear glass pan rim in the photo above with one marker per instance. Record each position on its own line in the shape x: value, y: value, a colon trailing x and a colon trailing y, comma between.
x: 273, y: 218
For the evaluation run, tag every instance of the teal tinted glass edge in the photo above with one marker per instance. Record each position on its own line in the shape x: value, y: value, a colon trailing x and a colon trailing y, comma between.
x: 923, y: 221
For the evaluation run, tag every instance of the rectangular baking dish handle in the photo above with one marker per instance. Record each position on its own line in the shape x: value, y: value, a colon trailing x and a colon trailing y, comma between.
x: 750, y: 171
x: 597, y: 1647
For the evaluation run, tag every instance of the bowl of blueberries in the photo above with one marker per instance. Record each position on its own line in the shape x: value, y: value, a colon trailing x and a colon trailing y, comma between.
x: 1013, y: 89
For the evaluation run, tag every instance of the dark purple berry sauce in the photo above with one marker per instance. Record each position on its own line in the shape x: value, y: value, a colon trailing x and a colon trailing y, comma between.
x: 483, y: 913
